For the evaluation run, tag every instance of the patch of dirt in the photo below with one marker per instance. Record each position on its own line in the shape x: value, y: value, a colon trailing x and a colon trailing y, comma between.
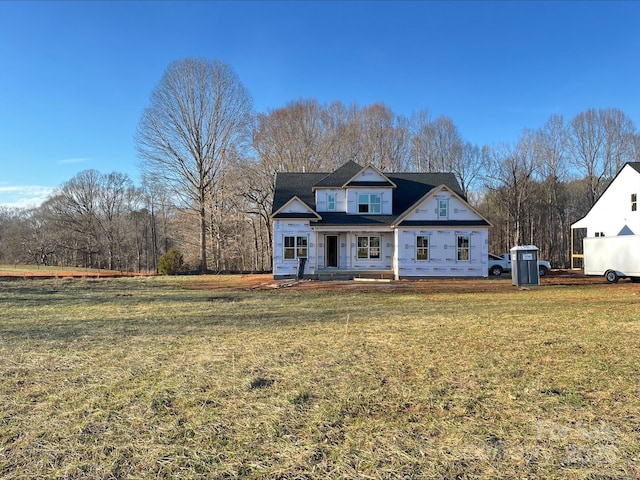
x: 266, y: 282
x: 434, y: 285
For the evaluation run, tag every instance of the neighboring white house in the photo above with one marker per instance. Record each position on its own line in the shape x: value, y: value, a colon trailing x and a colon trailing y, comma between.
x: 616, y: 213
x: 360, y: 222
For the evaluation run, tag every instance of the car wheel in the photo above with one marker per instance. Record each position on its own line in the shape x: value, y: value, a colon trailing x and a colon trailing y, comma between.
x: 611, y: 276
x: 495, y: 271
x: 542, y: 270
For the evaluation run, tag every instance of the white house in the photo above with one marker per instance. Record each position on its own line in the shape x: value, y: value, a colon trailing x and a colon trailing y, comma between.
x: 360, y: 222
x: 616, y: 213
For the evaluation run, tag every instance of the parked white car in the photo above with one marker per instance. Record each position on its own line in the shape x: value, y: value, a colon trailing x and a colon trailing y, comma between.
x: 502, y: 263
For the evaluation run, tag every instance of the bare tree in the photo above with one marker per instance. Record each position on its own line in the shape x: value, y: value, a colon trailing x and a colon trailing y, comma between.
x: 552, y: 150
x: 344, y: 142
x: 635, y: 148
x: 437, y: 146
x: 468, y: 167
x: 116, y: 199
x: 257, y: 187
x: 158, y: 202
x: 510, y: 179
x: 198, y: 112
x: 73, y: 211
x: 293, y: 138
x: 445, y: 144
x: 619, y: 139
x: 385, y: 138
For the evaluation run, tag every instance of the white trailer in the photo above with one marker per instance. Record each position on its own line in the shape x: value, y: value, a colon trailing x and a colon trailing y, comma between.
x: 614, y: 257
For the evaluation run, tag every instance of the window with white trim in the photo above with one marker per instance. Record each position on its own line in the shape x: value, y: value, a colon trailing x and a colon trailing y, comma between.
x: 443, y: 208
x: 295, y: 247
x: 422, y: 247
x: 634, y: 202
x: 463, y: 243
x: 369, y: 247
x: 369, y: 203
x: 331, y: 202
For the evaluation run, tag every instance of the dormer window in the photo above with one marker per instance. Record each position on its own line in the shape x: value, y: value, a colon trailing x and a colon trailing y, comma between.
x: 443, y: 208
x: 369, y: 203
x: 331, y: 202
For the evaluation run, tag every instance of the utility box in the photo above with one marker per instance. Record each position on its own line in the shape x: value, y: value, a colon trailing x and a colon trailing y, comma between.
x: 524, y: 266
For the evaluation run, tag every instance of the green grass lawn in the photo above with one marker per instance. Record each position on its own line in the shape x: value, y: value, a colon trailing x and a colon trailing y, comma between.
x: 149, y: 378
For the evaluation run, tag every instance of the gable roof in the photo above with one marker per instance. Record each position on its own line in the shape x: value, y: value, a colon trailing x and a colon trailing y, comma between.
x: 410, y: 188
x: 401, y: 219
x: 308, y: 213
x: 634, y: 165
x: 583, y: 222
x: 289, y: 185
x: 341, y: 176
x: 386, y: 182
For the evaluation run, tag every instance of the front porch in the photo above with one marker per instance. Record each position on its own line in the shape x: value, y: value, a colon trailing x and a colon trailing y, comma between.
x: 348, y: 255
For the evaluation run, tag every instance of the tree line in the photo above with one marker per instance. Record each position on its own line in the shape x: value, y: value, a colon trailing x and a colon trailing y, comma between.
x: 208, y: 164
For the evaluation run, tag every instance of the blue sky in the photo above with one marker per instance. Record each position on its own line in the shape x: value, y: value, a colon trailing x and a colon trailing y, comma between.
x: 75, y: 76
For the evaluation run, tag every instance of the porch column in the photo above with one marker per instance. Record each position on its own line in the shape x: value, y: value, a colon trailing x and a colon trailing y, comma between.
x: 317, y: 247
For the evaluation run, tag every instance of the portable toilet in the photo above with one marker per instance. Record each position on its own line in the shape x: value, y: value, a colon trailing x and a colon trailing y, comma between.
x: 524, y: 266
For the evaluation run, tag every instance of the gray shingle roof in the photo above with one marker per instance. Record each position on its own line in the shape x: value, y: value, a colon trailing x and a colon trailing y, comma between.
x: 411, y: 187
x: 289, y: 185
x: 635, y: 166
x: 341, y: 176
x: 444, y: 223
x: 341, y: 218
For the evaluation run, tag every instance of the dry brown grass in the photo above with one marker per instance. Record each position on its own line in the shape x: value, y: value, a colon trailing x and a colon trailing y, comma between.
x: 164, y: 378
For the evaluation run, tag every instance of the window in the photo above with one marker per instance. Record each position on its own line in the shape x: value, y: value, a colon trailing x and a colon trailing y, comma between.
x: 463, y: 248
x: 634, y: 202
x: 369, y: 203
x: 422, y: 247
x: 295, y: 247
x: 599, y: 234
x: 443, y: 208
x: 368, y: 247
x: 331, y: 202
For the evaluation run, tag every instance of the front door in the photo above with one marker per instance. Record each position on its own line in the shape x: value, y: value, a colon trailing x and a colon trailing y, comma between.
x: 332, y: 251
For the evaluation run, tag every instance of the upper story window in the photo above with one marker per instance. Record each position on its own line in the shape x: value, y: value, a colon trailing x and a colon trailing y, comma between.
x: 634, y: 202
x: 369, y: 203
x: 331, y: 202
x: 443, y: 208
